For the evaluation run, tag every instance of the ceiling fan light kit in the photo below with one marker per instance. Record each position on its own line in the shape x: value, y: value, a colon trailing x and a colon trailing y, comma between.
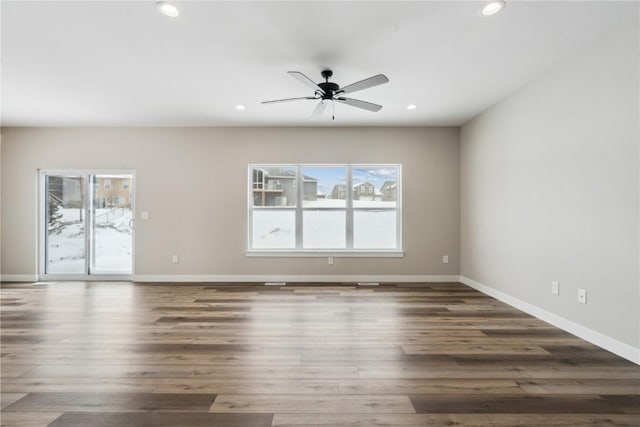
x: 327, y: 91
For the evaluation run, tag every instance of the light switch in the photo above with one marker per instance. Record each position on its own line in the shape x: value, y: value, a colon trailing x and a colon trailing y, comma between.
x: 145, y: 215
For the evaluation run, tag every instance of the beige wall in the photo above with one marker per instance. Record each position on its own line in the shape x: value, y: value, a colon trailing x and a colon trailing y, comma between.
x: 549, y: 190
x: 193, y: 181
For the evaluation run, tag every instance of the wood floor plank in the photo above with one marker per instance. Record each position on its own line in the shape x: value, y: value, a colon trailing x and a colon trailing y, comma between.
x: 186, y: 370
x: 583, y: 372
x: 112, y: 402
x: 428, y: 386
x: 27, y: 419
x: 249, y: 386
x: 512, y: 404
x: 151, y: 419
x: 465, y: 348
x: 564, y: 420
x: 313, y: 404
x: 404, y: 371
x: 581, y: 386
x: 7, y: 397
x: 81, y: 385
x: 380, y: 420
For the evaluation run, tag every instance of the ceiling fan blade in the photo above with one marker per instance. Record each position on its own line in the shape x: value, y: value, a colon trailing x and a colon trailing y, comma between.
x: 317, y: 113
x: 360, y: 104
x: 365, y: 84
x: 306, y: 80
x: 287, y: 100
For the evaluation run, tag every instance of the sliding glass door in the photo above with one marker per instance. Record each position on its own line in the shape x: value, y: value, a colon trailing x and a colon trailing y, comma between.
x: 65, y: 224
x: 87, y: 223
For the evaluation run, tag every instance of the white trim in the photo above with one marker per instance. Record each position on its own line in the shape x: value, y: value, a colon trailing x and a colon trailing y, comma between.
x: 328, y: 253
x: 86, y: 278
x: 608, y: 343
x: 19, y: 278
x: 294, y: 278
x: 348, y: 186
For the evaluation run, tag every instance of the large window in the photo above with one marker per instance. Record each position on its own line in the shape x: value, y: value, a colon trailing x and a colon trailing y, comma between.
x: 308, y: 209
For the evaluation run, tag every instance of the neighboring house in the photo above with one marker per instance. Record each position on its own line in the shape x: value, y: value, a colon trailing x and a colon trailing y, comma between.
x: 339, y: 191
x: 112, y: 193
x: 389, y: 191
x: 364, y: 191
x: 277, y: 187
x: 109, y: 192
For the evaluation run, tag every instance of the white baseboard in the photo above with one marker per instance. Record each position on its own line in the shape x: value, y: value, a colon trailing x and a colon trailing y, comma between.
x: 294, y: 278
x: 86, y: 278
x: 19, y: 278
x: 611, y: 344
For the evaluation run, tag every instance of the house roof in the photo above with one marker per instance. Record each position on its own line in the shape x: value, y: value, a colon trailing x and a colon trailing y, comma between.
x: 362, y: 183
x: 285, y: 174
x: 389, y: 185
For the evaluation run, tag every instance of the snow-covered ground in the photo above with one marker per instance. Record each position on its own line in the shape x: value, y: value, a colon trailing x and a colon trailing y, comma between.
x: 112, y: 243
x: 325, y: 229
x: 274, y: 229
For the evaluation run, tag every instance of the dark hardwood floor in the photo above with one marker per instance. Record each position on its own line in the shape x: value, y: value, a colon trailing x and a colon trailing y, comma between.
x: 122, y: 354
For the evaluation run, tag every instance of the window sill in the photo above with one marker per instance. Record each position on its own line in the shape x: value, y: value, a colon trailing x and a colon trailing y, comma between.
x: 328, y: 253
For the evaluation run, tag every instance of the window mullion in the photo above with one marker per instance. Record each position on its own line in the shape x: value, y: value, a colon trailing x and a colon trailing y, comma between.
x: 299, y: 201
x: 89, y: 223
x: 349, y: 219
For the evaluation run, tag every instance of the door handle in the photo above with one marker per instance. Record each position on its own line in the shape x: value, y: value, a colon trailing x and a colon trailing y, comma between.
x: 132, y: 224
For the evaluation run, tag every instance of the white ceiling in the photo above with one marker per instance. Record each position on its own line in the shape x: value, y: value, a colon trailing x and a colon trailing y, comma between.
x: 124, y: 64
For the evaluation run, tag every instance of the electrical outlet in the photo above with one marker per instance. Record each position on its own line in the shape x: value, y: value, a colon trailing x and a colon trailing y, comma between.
x: 445, y: 259
x: 555, y: 288
x: 582, y: 296
x: 330, y: 260
x: 176, y: 259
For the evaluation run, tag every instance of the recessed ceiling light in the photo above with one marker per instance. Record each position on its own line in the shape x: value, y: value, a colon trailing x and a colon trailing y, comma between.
x: 240, y: 107
x: 168, y: 9
x: 411, y: 107
x: 493, y: 7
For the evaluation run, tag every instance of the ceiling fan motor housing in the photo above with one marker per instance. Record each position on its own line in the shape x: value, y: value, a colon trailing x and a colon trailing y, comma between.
x: 328, y: 87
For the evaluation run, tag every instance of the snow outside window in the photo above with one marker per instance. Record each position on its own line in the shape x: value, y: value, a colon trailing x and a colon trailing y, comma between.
x: 323, y: 209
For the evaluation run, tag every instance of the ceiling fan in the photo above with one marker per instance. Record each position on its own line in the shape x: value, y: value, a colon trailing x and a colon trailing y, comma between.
x: 328, y: 92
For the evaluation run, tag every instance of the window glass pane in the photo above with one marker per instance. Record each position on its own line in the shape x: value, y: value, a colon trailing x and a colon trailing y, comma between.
x: 65, y: 224
x: 112, y: 242
x: 375, y: 186
x: 325, y: 187
x: 374, y: 229
x: 324, y: 229
x: 274, y: 186
x: 274, y: 229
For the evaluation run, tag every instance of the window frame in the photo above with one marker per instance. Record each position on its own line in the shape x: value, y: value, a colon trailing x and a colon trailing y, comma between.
x: 299, y: 250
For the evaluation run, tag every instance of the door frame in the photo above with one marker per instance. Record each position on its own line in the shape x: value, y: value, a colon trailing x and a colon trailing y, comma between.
x: 42, y: 224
